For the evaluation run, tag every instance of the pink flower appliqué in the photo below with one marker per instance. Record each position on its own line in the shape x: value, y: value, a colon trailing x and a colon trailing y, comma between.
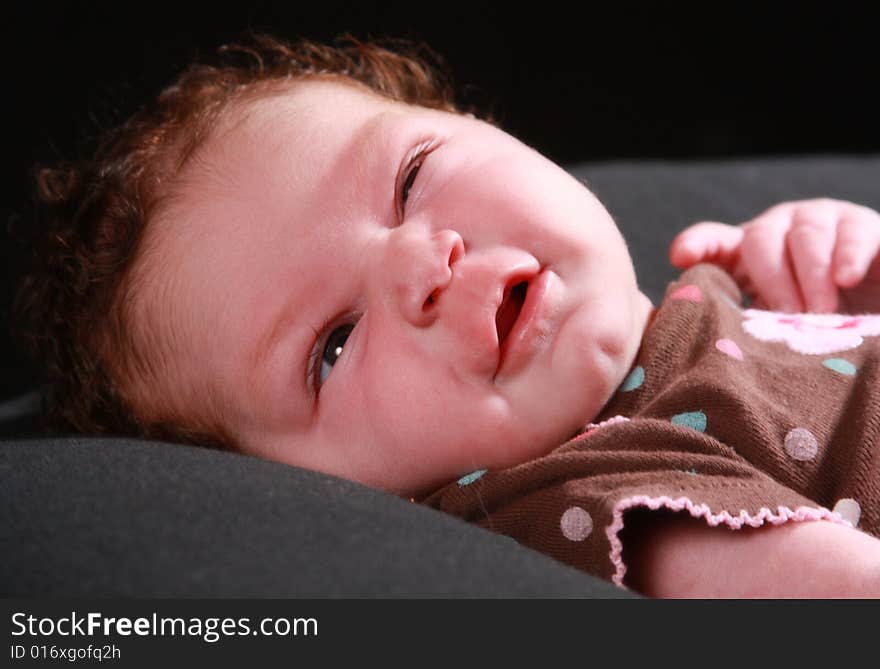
x: 814, y: 334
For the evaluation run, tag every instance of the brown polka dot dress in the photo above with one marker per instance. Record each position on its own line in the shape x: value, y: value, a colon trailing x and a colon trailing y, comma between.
x: 737, y: 416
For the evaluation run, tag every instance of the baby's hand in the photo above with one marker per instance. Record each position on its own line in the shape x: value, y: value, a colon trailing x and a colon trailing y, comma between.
x: 811, y: 255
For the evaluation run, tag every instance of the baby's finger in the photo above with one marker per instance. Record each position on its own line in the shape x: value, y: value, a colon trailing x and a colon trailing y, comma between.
x: 810, y: 241
x: 707, y: 241
x: 766, y: 261
x: 857, y: 245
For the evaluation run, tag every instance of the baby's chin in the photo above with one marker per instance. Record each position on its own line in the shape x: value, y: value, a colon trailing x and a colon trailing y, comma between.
x: 578, y: 381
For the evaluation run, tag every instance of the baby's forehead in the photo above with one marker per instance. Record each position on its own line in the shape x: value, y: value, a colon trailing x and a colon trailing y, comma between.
x: 309, y: 140
x: 301, y: 115
x: 307, y: 101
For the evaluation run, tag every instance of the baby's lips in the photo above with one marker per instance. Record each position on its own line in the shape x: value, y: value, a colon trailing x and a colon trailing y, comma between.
x: 470, y: 303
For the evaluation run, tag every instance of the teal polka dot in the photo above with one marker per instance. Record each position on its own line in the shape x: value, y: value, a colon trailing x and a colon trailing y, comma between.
x: 467, y: 479
x: 727, y: 298
x: 633, y: 380
x: 696, y: 420
x: 840, y: 365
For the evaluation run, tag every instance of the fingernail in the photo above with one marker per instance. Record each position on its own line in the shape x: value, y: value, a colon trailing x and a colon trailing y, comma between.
x: 685, y: 248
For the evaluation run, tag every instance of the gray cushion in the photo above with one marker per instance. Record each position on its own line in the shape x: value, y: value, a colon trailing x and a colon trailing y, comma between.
x: 116, y: 517
x: 652, y: 200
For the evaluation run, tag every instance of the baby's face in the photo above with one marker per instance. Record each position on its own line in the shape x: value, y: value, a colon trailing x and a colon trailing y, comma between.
x: 390, y: 294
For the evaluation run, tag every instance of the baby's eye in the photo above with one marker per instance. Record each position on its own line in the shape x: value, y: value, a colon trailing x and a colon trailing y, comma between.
x: 407, y: 176
x: 410, y: 178
x: 332, y: 350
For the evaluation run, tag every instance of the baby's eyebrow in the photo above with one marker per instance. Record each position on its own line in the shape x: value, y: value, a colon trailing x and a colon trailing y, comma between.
x: 259, y: 379
x: 267, y: 341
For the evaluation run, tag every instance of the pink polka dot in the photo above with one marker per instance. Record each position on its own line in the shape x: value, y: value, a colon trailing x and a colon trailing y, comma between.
x: 690, y: 292
x: 801, y: 444
x: 729, y: 347
x: 576, y: 524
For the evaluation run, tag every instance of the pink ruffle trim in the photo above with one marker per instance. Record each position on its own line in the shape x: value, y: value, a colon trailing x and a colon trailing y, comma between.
x: 782, y: 515
x: 590, y: 427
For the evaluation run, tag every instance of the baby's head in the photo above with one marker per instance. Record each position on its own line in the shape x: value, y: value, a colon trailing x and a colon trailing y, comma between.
x: 313, y: 257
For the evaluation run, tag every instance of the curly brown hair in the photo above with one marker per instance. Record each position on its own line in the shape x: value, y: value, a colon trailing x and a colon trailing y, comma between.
x: 74, y: 311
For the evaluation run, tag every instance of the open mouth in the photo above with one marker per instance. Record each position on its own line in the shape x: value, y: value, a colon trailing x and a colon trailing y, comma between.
x: 508, y: 312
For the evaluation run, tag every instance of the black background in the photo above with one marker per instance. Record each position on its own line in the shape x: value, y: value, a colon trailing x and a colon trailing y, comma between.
x: 579, y: 81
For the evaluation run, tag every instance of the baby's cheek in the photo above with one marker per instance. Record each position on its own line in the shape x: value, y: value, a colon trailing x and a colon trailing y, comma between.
x: 401, y: 402
x: 419, y: 414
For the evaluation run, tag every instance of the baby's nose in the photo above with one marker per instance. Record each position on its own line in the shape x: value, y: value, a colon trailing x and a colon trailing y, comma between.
x: 421, y: 271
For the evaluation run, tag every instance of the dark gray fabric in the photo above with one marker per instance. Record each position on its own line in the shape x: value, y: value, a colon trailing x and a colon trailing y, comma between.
x: 113, y: 517
x: 103, y: 517
x: 652, y: 200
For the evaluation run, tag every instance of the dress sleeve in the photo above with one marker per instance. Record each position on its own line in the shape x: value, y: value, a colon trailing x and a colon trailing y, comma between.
x: 572, y: 504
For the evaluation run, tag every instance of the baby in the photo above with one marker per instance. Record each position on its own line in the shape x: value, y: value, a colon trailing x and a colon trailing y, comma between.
x: 309, y: 254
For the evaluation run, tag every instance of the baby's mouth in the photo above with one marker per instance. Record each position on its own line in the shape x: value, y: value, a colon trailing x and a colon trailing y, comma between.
x: 508, y: 312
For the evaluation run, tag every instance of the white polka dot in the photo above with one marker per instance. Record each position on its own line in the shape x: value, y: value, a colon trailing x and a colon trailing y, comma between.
x: 849, y: 509
x: 801, y: 444
x: 576, y: 524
